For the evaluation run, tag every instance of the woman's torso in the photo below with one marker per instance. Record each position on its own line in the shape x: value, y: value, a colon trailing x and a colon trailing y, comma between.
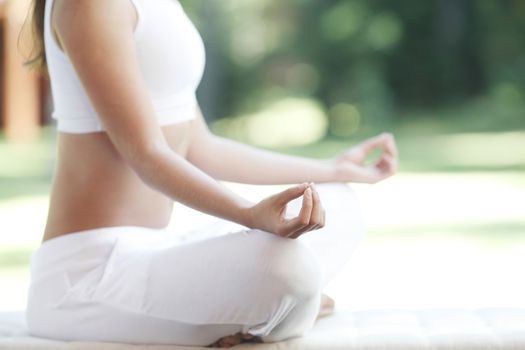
x: 93, y: 186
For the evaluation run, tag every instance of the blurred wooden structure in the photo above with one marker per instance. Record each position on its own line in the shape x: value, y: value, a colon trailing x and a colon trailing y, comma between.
x: 21, y: 91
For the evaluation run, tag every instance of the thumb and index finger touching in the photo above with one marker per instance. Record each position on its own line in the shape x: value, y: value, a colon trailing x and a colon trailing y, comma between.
x: 382, y: 140
x: 385, y: 141
x: 311, y: 210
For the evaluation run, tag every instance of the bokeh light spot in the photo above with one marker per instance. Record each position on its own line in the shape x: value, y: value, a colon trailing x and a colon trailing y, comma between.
x: 287, y: 122
x: 384, y: 31
x: 344, y: 119
x: 343, y: 20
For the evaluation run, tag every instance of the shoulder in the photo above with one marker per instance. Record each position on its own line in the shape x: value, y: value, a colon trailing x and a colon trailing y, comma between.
x: 85, y: 17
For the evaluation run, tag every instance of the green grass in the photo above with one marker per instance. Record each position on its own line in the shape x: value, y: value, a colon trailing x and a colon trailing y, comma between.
x: 12, y: 257
x: 466, y: 152
x: 26, y: 168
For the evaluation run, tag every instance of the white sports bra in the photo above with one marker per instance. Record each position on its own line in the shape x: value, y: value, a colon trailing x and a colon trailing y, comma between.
x: 171, y: 56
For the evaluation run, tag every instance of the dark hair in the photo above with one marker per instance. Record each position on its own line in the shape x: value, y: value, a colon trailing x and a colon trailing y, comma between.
x: 37, y: 59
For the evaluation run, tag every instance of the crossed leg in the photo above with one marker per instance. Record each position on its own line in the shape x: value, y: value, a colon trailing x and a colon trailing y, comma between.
x: 333, y: 245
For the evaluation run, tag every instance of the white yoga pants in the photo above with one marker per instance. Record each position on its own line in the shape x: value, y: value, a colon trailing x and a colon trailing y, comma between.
x: 146, y: 286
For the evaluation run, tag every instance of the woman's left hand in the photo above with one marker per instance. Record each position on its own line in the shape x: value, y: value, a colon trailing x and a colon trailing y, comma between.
x: 350, y: 164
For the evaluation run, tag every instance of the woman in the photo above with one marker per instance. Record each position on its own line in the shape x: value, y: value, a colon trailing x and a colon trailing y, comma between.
x: 131, y: 141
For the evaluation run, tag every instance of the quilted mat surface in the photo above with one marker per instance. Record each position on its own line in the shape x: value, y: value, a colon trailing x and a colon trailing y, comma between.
x: 494, y: 328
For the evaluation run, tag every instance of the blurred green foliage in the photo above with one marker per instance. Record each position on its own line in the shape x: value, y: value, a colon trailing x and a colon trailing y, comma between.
x: 26, y: 168
x: 368, y: 63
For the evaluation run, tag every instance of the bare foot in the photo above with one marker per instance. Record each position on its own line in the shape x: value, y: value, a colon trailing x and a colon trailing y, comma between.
x: 327, y: 306
x: 235, y: 339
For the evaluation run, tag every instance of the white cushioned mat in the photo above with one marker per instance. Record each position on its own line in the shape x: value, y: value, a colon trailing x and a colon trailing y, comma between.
x: 491, y: 328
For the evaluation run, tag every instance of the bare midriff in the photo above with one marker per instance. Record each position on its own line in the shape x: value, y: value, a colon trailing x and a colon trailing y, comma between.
x: 94, y: 187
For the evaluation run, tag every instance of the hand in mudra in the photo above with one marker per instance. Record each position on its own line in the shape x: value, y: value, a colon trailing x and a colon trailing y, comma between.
x: 270, y: 213
x: 351, y: 164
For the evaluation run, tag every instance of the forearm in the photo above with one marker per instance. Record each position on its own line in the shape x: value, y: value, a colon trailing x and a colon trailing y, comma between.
x: 171, y: 174
x: 233, y: 161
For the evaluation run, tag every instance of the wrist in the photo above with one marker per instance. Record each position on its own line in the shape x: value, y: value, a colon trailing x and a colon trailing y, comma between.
x: 334, y: 170
x: 246, y: 217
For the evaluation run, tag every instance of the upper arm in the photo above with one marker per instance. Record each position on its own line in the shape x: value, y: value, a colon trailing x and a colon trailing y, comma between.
x: 97, y: 36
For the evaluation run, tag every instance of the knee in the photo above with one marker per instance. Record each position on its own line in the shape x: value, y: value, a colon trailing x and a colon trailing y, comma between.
x: 291, y: 268
x: 298, y: 272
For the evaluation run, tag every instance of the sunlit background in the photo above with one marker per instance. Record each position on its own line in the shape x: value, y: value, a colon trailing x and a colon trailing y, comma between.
x: 311, y: 78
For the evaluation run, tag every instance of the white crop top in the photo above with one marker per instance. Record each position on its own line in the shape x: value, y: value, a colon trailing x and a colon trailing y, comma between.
x: 171, y: 56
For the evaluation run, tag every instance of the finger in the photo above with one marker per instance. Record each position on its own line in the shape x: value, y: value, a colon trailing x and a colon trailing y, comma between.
x: 303, y: 219
x: 297, y: 234
x: 314, y: 227
x: 291, y: 193
x: 372, y: 143
x: 317, y: 209
x: 316, y: 220
x: 315, y: 217
x: 322, y: 223
x: 387, y: 164
x: 383, y: 162
x: 302, y: 231
x: 299, y: 231
x: 390, y: 144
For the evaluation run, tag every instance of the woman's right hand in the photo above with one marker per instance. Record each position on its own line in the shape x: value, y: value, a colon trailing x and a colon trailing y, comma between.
x: 270, y: 213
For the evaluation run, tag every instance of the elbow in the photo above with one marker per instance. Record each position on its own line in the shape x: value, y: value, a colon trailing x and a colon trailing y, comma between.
x: 148, y: 160
x: 202, y: 152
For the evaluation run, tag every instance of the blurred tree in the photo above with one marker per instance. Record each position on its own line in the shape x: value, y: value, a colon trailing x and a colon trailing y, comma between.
x: 372, y: 56
x: 439, y: 59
